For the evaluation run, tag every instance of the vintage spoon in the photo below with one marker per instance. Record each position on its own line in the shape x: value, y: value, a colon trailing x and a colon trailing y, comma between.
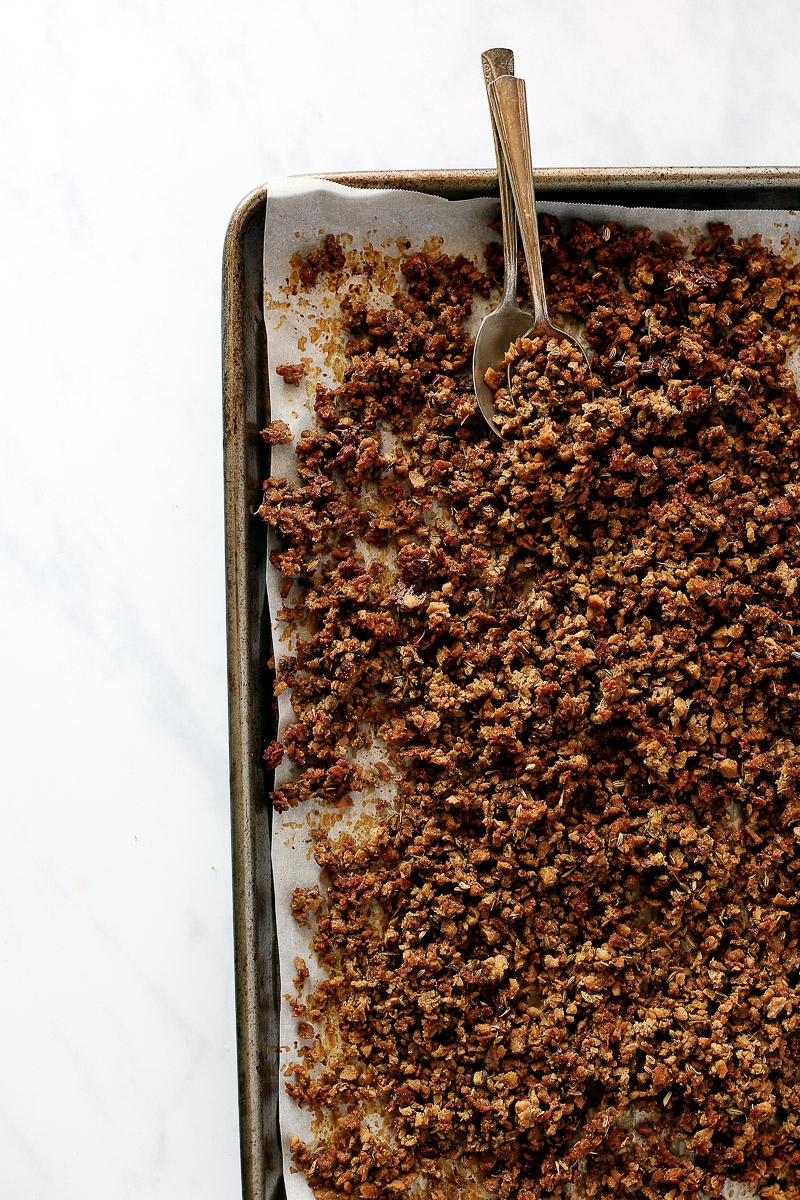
x: 508, y: 321
x: 510, y: 113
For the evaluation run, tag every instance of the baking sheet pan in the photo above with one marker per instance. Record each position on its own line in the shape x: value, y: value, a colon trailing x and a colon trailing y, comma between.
x: 246, y: 459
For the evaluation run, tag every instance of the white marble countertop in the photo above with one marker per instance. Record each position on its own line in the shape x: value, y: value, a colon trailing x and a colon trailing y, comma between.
x: 129, y: 134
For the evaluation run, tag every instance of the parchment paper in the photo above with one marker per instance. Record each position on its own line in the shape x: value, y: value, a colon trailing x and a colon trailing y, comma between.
x: 302, y: 326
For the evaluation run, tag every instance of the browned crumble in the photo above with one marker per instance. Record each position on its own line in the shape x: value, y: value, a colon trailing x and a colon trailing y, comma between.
x: 277, y: 432
x: 543, y: 374
x: 327, y: 257
x: 584, y: 904
x: 302, y: 974
x: 291, y: 373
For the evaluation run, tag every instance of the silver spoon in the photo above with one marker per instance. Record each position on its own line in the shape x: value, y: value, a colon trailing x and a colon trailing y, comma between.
x: 510, y: 112
x: 508, y: 321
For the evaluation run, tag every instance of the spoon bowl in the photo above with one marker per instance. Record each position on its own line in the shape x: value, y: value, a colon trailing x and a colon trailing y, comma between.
x: 498, y: 330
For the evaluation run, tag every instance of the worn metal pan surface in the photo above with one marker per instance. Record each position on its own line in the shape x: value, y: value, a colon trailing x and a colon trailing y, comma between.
x: 245, y: 413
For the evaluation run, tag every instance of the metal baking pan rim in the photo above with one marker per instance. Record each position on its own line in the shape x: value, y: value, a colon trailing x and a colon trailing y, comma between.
x: 245, y: 409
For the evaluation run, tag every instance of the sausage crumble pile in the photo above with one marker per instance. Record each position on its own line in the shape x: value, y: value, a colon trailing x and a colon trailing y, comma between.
x: 564, y: 961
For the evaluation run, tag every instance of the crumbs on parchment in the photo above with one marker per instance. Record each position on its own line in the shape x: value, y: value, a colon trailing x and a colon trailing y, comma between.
x: 567, y: 956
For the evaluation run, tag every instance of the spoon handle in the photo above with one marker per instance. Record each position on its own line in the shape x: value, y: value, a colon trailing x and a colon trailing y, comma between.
x: 499, y: 62
x: 510, y: 111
